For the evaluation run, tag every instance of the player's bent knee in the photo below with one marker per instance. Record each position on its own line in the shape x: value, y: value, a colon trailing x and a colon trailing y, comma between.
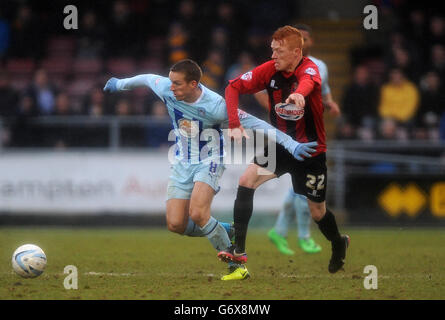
x: 176, y: 227
x: 198, y: 215
x: 317, y: 209
x: 317, y: 214
x: 246, y: 182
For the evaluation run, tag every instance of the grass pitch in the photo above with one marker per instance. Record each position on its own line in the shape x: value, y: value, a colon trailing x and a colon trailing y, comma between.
x: 156, y: 264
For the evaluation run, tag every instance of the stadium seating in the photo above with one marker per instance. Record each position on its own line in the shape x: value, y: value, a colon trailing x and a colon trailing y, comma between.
x: 78, y: 88
x: 58, y: 69
x: 87, y: 68
x: 61, y: 46
x: 121, y: 67
x: 21, y: 72
x: 151, y: 65
x: 20, y: 66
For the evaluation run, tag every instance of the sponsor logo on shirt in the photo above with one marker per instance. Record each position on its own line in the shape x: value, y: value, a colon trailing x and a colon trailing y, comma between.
x: 288, y: 111
x: 201, y: 112
x: 310, y: 71
x: 188, y: 128
x: 272, y: 84
x: 247, y: 76
x: 242, y: 114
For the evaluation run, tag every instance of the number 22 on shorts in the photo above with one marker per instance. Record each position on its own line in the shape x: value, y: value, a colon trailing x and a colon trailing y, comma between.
x: 315, y: 182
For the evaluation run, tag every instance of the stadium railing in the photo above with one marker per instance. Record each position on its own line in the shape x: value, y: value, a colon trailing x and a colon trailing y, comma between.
x: 381, y: 158
x: 345, y: 158
x: 113, y: 125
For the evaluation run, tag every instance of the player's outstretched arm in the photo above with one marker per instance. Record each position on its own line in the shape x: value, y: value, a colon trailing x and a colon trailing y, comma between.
x: 143, y: 80
x: 298, y: 150
x: 110, y: 86
x: 236, y: 129
x: 249, y: 83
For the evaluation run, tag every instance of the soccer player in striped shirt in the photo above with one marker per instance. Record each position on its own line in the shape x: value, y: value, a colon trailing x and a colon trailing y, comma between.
x: 293, y: 79
x: 295, y: 205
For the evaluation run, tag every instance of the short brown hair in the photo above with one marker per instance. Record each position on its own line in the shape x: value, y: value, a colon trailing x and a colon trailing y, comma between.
x: 189, y: 68
x: 291, y: 34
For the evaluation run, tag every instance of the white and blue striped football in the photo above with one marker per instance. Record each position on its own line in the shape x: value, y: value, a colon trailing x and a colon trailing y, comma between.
x: 289, y: 111
x: 29, y: 261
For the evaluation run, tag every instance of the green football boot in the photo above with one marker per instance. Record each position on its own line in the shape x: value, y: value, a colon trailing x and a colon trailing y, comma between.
x: 308, y: 245
x: 280, y: 242
x: 237, y: 273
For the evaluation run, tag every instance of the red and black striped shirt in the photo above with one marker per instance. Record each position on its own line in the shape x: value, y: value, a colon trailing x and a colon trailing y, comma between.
x: 279, y: 85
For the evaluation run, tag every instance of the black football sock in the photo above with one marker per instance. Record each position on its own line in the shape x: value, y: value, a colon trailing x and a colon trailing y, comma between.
x: 242, y: 212
x: 328, y: 226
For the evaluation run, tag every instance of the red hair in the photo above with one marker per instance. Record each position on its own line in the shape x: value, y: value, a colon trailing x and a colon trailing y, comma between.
x: 292, y: 36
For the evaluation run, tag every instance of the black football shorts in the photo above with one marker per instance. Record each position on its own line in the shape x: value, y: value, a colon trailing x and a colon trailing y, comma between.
x: 309, y: 177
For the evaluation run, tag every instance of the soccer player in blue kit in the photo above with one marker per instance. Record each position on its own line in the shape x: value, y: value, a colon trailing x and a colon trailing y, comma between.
x: 193, y: 183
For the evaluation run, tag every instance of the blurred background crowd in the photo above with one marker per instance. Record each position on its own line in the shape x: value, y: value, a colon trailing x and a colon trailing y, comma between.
x: 395, y: 91
x: 398, y: 81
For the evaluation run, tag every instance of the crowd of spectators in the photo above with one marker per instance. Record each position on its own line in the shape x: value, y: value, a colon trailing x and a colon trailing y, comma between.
x: 46, y: 70
x: 397, y: 91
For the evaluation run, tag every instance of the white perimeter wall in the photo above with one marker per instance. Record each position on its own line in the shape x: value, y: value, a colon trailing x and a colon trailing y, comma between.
x: 121, y: 183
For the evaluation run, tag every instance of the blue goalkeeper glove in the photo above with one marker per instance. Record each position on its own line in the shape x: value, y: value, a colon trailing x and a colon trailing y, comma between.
x: 304, y: 149
x: 111, y: 85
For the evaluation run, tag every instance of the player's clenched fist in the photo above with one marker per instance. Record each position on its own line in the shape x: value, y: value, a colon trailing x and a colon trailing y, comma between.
x: 297, y: 99
x: 111, y: 85
x: 304, y: 150
x: 237, y: 134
